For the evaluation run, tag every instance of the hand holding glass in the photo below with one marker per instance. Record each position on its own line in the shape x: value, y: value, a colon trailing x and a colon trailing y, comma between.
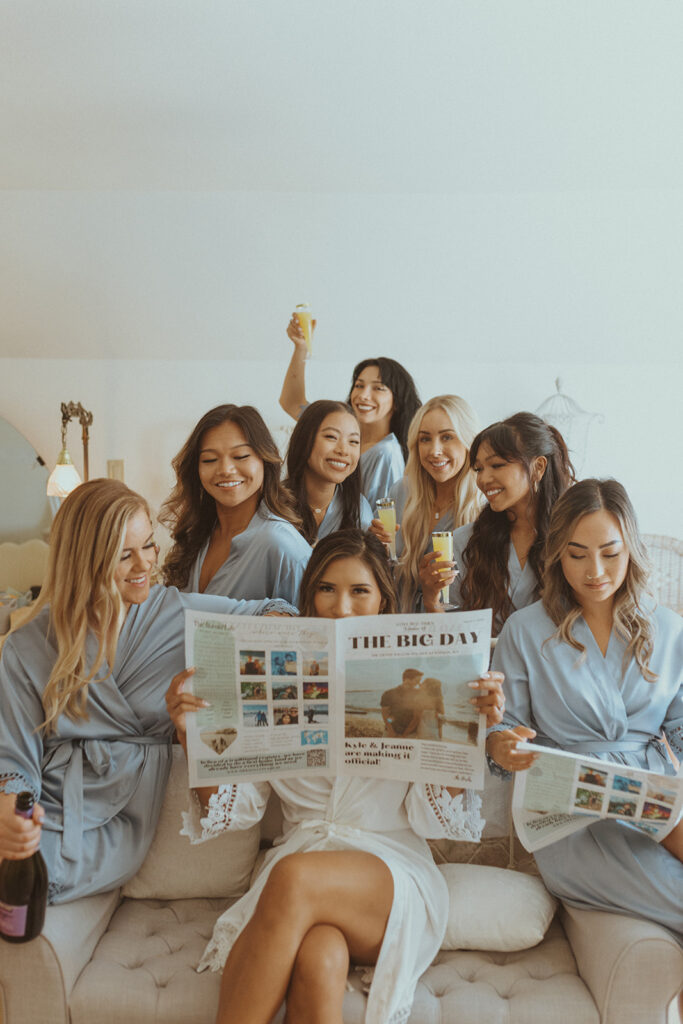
x: 304, y: 316
x: 442, y: 542
x: 386, y: 513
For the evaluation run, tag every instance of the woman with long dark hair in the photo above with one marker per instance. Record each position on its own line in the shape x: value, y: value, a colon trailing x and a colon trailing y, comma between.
x: 323, y: 472
x: 522, y: 466
x: 595, y: 669
x: 383, y: 397
x: 233, y: 523
x: 352, y: 879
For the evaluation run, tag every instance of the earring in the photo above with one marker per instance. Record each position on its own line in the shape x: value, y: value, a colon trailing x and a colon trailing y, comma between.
x: 535, y: 486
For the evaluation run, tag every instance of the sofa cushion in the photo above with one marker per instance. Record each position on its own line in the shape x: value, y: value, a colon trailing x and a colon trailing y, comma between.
x: 495, y: 909
x: 175, y: 869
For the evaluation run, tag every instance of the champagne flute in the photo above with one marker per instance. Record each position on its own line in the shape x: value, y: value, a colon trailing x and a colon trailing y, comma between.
x: 303, y: 314
x: 386, y: 513
x: 442, y: 542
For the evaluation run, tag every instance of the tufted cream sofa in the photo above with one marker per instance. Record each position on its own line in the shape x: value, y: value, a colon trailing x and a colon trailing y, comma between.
x: 122, y: 957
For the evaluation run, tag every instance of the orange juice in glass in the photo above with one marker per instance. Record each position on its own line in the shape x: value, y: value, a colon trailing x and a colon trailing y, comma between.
x: 386, y: 513
x: 442, y: 542
x: 304, y: 316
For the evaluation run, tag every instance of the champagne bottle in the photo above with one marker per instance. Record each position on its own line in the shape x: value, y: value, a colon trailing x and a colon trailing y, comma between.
x: 23, y: 888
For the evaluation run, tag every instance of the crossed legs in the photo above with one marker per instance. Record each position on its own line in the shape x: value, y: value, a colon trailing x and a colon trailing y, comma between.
x: 317, y: 912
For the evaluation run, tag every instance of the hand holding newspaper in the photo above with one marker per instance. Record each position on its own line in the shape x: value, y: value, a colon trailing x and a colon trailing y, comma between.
x: 384, y: 695
x: 564, y: 792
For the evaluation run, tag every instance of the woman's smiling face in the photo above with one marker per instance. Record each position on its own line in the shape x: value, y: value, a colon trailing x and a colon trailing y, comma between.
x: 442, y: 454
x: 229, y: 468
x: 505, y: 485
x: 336, y: 449
x: 372, y: 401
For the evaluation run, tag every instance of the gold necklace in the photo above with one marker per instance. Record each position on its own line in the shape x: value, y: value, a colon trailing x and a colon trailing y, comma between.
x: 438, y: 512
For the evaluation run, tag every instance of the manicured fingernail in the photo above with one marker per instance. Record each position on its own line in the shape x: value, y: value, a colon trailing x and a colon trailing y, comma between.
x: 474, y: 685
x: 205, y: 704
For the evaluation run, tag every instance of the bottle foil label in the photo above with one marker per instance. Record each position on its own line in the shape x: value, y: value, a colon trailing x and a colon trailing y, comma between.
x: 13, y: 919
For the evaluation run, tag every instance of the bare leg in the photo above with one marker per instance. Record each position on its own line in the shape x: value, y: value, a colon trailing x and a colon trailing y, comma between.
x: 316, y: 992
x: 674, y: 841
x: 349, y: 890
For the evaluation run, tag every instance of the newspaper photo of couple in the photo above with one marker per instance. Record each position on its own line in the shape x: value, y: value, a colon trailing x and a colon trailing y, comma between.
x: 422, y: 705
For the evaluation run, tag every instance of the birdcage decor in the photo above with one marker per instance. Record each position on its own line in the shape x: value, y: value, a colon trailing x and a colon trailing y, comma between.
x: 573, y: 422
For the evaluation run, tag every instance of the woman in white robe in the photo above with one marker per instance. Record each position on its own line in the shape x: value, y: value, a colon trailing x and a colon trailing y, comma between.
x: 522, y: 466
x: 96, y: 754
x: 595, y: 669
x: 351, y: 879
x: 323, y: 470
x: 234, y: 527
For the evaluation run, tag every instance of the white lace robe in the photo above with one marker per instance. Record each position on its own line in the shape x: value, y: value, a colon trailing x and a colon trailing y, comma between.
x: 384, y: 818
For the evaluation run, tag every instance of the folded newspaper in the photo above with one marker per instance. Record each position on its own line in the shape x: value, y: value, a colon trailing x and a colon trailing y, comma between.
x: 383, y: 695
x: 564, y: 792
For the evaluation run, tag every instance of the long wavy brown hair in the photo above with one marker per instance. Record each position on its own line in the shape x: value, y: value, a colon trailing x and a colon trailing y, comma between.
x: 301, y: 445
x: 190, y: 513
x: 347, y: 544
x: 631, y: 621
x: 86, y: 540
x: 520, y: 438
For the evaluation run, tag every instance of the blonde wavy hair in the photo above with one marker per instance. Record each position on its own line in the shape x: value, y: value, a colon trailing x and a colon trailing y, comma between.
x: 86, y: 540
x: 631, y: 621
x: 417, y: 526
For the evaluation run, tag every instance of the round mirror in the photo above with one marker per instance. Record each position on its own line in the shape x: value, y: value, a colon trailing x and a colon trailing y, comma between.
x: 24, y: 506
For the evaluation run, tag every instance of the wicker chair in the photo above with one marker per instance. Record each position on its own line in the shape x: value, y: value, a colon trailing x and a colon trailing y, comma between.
x: 666, y: 555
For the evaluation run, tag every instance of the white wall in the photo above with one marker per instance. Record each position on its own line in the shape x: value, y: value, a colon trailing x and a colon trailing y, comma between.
x: 491, y: 193
x: 144, y: 409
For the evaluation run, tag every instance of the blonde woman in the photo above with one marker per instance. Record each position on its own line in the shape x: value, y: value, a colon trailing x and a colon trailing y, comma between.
x: 84, y: 725
x: 595, y: 668
x: 437, y: 492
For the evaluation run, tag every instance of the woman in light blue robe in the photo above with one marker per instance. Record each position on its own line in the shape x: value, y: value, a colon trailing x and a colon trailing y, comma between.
x: 522, y: 466
x: 595, y: 696
x: 323, y: 473
x: 380, y: 467
x: 522, y: 581
x: 384, y: 398
x: 100, y: 778
x: 332, y: 520
x: 268, y: 557
x: 233, y: 523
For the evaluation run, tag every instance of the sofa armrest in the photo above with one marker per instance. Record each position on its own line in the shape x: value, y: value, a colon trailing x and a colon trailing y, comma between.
x: 633, y: 968
x: 36, y: 977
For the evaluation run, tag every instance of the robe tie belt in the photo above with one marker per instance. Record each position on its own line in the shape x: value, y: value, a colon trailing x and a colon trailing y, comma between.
x: 331, y: 829
x: 97, y: 752
x: 611, y: 746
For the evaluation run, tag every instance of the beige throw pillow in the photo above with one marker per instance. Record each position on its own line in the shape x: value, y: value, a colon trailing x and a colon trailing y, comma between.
x: 495, y: 908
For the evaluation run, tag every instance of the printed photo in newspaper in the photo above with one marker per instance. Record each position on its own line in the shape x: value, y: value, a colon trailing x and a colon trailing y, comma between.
x: 563, y: 792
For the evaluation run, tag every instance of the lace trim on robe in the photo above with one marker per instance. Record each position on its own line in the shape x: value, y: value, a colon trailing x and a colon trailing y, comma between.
x: 13, y: 782
x: 218, y: 816
x: 459, y: 816
x: 278, y: 604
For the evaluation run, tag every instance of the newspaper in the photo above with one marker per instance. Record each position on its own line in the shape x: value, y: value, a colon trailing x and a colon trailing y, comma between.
x: 564, y: 792
x: 383, y: 695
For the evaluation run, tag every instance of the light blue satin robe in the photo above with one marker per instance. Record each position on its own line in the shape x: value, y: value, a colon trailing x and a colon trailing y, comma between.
x: 590, y: 708
x: 523, y: 586
x: 266, y: 560
x: 101, y: 781
x: 380, y: 467
x: 333, y: 516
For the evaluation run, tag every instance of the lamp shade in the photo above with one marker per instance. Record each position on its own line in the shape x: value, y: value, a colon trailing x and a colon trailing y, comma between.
x: 64, y: 477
